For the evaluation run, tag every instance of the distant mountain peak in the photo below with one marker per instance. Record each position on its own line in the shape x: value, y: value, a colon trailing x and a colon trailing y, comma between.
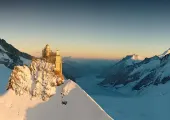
x: 137, y: 57
x: 134, y: 57
x: 165, y: 53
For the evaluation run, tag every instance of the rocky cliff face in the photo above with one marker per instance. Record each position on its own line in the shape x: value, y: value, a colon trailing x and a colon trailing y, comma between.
x: 38, y: 80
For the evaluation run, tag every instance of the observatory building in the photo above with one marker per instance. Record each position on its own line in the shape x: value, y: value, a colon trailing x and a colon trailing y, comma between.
x: 55, y: 58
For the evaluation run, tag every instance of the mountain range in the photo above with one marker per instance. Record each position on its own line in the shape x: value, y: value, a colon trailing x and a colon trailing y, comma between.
x: 10, y: 56
x: 140, y: 73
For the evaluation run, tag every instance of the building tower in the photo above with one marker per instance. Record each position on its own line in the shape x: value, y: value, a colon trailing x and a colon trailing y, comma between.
x: 58, y: 63
x: 46, y: 51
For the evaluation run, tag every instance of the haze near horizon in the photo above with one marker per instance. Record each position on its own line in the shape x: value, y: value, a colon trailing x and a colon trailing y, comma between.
x: 88, y: 29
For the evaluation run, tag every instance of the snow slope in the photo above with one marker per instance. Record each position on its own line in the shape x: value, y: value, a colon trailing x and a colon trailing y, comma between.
x: 25, y: 61
x: 147, y: 66
x: 4, y: 75
x: 14, y: 107
x: 154, y: 70
x: 137, y: 57
x: 118, y: 73
x: 80, y: 106
x: 2, y: 49
x: 4, y: 57
x: 131, y: 59
x: 10, y: 56
x: 150, y: 104
x: 32, y: 95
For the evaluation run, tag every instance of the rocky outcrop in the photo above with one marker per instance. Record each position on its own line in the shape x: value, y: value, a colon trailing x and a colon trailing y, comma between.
x: 38, y: 80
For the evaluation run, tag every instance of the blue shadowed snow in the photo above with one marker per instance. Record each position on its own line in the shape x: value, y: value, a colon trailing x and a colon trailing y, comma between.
x: 98, y: 93
x: 150, y: 104
x: 4, y: 75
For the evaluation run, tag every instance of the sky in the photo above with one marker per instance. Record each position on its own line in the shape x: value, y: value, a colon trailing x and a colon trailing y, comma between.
x: 109, y: 29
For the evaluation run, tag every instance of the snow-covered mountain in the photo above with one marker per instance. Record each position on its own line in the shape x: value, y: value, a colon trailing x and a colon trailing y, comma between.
x: 151, y: 103
x: 120, y: 70
x: 119, y: 66
x: 131, y: 60
x: 32, y: 95
x: 10, y: 56
x: 164, y: 53
x: 4, y: 75
x: 154, y: 70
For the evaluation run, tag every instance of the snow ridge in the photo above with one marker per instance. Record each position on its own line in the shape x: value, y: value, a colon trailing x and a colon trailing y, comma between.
x: 165, y: 53
x: 132, y: 59
x: 97, y: 105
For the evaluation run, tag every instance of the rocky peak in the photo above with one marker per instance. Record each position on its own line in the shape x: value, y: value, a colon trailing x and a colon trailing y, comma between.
x: 38, y: 80
x: 133, y: 57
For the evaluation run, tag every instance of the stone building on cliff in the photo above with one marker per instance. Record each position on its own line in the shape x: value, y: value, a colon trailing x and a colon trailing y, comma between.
x: 53, y: 57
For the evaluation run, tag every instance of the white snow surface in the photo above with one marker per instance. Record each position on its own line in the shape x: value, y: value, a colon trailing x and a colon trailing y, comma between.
x: 134, y: 59
x: 146, y: 67
x: 32, y: 95
x: 2, y: 48
x: 124, y: 104
x: 164, y: 71
x: 137, y: 57
x: 14, y: 107
x: 4, y: 56
x: 80, y: 106
x: 25, y: 61
x: 68, y: 87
